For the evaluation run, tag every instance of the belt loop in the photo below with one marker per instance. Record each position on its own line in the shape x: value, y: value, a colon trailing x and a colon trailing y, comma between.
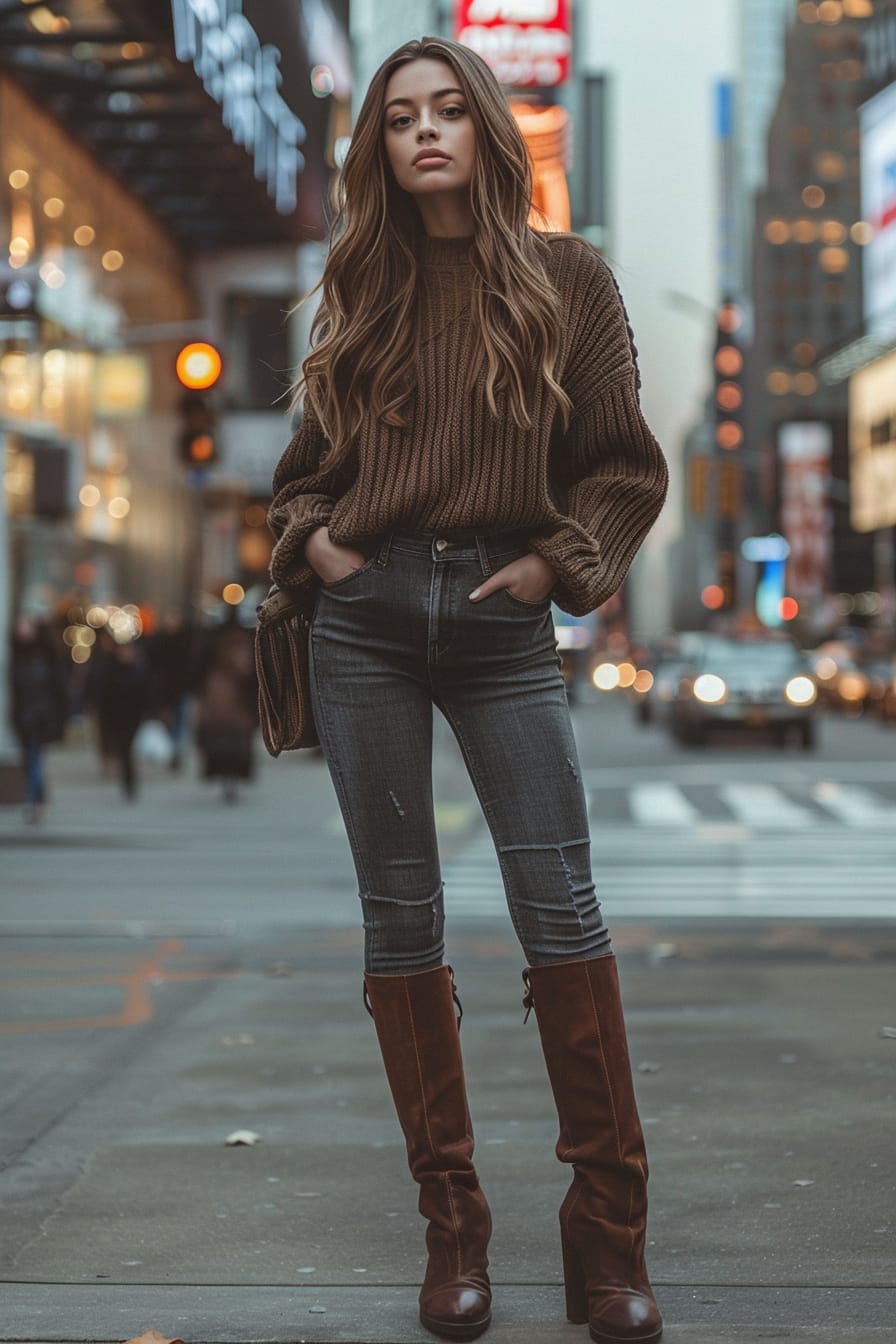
x: 385, y: 546
x: 484, y: 559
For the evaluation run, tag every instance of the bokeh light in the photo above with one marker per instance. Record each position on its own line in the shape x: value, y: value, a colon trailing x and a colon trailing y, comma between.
x: 606, y: 676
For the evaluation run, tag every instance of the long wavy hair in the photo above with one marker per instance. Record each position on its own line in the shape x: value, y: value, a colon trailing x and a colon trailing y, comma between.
x: 364, y: 334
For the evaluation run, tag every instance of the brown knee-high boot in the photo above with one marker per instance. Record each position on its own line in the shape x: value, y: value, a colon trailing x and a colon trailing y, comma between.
x: 418, y: 1033
x: 603, y: 1219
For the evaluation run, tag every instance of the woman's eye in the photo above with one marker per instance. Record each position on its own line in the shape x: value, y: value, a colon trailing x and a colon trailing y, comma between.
x: 397, y: 122
x: 452, y: 112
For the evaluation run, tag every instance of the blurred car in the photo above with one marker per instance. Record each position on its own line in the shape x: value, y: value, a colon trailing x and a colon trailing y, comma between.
x: 756, y: 685
x: 881, y: 698
x: 842, y: 684
x: 667, y: 667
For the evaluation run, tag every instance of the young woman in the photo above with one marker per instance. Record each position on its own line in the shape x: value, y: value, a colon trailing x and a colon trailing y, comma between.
x: 472, y: 447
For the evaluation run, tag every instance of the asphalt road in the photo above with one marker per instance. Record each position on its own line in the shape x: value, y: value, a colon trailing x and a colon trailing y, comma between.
x: 181, y: 968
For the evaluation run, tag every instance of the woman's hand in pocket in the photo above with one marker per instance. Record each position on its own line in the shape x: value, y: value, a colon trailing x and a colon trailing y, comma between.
x: 529, y: 578
x: 329, y: 561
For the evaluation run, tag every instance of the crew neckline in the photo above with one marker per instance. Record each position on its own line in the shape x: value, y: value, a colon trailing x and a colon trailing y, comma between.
x: 453, y: 251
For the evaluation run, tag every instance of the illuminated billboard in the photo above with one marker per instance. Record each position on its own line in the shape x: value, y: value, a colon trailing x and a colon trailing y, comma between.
x: 872, y: 445
x: 526, y: 42
x: 804, y: 455
x: 878, y: 157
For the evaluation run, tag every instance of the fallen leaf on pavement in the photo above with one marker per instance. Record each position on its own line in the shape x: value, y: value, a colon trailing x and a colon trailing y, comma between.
x: 153, y: 1337
x: 246, y: 1136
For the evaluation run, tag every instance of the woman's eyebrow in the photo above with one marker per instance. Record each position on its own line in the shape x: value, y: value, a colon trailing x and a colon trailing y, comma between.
x: 408, y: 102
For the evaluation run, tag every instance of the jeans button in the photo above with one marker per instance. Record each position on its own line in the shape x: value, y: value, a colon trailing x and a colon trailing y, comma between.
x: 441, y: 544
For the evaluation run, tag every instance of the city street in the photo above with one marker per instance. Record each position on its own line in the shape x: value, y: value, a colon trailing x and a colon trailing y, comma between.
x: 179, y: 969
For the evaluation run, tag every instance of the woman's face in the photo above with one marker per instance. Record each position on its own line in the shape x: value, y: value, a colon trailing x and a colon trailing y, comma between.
x: 427, y: 129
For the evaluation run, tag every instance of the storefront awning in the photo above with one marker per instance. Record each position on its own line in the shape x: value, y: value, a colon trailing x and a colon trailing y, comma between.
x: 213, y: 143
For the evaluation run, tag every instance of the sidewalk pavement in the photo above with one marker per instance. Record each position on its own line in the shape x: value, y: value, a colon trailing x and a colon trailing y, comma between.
x: 765, y: 1079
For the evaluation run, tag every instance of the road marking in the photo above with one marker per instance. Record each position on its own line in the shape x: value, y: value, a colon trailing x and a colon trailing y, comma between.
x: 708, y: 771
x: 765, y: 806
x: 137, y: 1006
x: 853, y: 805
x: 660, y: 803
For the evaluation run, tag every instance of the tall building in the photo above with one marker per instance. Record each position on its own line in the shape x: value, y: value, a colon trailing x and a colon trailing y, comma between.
x: 647, y: 116
x: 807, y: 299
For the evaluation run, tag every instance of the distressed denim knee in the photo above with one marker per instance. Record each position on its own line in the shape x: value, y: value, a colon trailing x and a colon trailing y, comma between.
x: 552, y: 901
x: 403, y: 935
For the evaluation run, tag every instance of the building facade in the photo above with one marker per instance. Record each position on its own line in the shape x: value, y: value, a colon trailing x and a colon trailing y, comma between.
x: 165, y: 170
x: 809, y: 237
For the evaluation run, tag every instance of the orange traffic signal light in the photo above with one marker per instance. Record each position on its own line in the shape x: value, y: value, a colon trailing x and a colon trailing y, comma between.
x: 198, y: 366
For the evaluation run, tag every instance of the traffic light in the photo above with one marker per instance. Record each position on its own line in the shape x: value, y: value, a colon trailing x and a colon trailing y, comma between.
x: 198, y: 368
x: 198, y: 447
x: 729, y: 367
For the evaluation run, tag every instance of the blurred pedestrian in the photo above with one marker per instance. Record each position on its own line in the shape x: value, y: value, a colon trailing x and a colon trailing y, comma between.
x: 472, y: 446
x: 226, y: 715
x: 38, y: 704
x: 119, y: 692
x: 172, y: 656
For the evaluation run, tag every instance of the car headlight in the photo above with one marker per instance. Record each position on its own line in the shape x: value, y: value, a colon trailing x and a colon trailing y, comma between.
x: 800, y: 691
x: 853, y: 686
x: 710, y: 689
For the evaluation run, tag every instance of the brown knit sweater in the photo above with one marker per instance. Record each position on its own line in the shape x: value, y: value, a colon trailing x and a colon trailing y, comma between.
x: 587, y: 496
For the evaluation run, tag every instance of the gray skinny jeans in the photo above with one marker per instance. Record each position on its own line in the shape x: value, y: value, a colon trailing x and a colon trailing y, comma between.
x: 388, y: 642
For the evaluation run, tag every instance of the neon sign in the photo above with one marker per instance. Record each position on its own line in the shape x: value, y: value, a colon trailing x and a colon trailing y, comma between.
x: 244, y: 78
x: 526, y: 42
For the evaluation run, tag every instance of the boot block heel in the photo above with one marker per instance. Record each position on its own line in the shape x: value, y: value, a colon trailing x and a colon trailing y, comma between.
x: 574, y: 1281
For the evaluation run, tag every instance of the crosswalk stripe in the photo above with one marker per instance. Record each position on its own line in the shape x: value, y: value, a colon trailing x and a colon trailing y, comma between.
x: 660, y: 803
x: 853, y: 805
x: 766, y: 806
x: 779, y: 878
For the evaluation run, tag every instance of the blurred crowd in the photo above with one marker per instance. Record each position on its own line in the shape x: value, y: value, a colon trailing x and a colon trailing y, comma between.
x: 146, y: 694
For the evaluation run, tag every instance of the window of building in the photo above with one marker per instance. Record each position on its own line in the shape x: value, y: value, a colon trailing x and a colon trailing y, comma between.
x: 257, y: 350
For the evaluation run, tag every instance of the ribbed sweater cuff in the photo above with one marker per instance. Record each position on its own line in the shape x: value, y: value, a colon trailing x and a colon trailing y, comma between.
x: 289, y: 568
x: 576, y: 560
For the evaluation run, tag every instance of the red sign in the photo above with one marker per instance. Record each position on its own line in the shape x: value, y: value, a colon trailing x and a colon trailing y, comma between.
x: 526, y: 42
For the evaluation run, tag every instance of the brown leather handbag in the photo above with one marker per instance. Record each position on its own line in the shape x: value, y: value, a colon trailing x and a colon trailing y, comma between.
x: 281, y: 664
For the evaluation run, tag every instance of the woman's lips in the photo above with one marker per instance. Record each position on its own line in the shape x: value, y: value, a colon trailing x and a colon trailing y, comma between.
x: 434, y: 160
